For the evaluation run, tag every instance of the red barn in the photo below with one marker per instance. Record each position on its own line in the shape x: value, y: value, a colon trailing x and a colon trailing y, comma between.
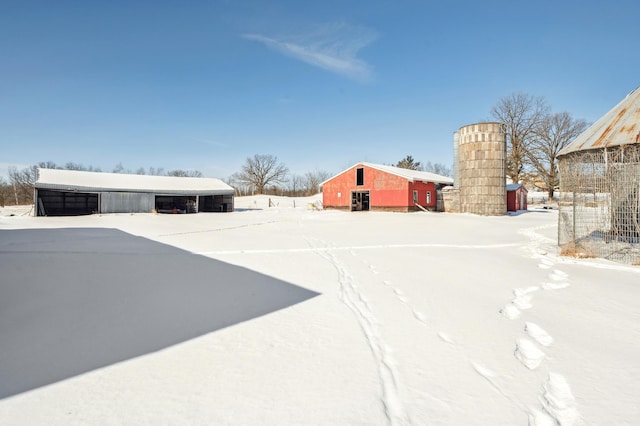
x: 516, y: 197
x: 366, y: 186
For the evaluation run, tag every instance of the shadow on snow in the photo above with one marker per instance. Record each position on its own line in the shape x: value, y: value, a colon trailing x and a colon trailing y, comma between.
x: 74, y: 300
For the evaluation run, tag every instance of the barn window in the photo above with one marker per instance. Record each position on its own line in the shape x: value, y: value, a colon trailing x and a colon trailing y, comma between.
x: 360, y: 176
x: 428, y: 197
x: 415, y: 197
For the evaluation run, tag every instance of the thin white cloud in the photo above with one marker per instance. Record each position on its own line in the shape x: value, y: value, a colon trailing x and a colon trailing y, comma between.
x: 333, y: 47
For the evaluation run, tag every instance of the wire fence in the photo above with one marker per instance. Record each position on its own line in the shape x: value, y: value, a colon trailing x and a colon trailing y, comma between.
x: 599, y: 203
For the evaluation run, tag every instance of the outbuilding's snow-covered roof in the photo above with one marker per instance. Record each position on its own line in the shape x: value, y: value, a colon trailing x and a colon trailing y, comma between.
x: 619, y: 126
x: 514, y: 186
x: 411, y: 175
x: 74, y: 180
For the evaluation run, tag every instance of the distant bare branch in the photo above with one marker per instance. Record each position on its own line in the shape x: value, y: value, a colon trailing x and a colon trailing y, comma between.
x: 551, y: 134
x: 520, y: 113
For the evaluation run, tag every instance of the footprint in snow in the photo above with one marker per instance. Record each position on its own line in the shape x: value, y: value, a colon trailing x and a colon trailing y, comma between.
x: 419, y: 316
x: 545, y: 263
x: 521, y: 291
x: 558, y: 400
x: 558, y: 275
x: 528, y: 354
x: 538, y: 334
x: 483, y: 371
x: 555, y: 286
x: 372, y: 267
x: 445, y: 337
x: 522, y: 302
x: 558, y: 280
x: 540, y: 418
x: 510, y: 311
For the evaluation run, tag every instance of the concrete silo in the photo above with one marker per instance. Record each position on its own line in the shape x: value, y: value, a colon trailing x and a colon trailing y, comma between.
x: 481, y: 168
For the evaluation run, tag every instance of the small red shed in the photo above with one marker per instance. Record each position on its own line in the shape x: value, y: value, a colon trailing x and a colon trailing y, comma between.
x: 366, y: 186
x: 516, y: 197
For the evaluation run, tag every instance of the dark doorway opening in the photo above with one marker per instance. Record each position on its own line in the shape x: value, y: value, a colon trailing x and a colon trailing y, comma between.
x: 216, y: 203
x: 176, y: 204
x: 359, y: 200
x: 63, y: 203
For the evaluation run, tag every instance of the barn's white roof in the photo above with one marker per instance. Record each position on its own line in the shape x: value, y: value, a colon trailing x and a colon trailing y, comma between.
x: 74, y: 180
x: 619, y: 126
x: 411, y: 175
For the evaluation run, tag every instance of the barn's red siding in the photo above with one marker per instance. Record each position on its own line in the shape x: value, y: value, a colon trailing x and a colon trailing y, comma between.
x: 386, y: 190
x: 517, y: 199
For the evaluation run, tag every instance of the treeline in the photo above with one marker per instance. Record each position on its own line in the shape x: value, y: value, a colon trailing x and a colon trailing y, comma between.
x: 265, y: 174
x: 260, y: 174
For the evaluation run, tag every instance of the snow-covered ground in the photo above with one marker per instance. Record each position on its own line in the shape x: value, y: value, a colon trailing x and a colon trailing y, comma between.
x: 415, y: 318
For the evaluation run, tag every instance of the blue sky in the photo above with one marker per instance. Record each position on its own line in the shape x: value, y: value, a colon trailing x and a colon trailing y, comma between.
x: 321, y: 85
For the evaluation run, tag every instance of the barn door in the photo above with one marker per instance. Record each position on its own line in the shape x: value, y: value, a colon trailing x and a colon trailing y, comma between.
x: 359, y: 200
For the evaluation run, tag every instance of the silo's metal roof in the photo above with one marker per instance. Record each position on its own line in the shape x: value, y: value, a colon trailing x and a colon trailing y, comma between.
x: 620, y: 126
x: 73, y: 180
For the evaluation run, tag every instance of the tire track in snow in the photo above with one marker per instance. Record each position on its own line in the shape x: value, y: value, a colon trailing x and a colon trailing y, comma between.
x: 351, y: 248
x: 492, y: 377
x: 353, y: 298
x: 419, y: 316
x: 204, y: 231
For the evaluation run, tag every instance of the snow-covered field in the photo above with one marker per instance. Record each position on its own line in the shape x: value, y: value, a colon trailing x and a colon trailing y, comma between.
x: 408, y: 318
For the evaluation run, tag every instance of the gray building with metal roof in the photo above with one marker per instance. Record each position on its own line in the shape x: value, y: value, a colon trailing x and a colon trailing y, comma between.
x: 618, y: 127
x: 72, y: 192
x: 599, y: 198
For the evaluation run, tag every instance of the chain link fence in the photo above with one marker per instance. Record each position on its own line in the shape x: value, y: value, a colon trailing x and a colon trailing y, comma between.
x: 599, y: 204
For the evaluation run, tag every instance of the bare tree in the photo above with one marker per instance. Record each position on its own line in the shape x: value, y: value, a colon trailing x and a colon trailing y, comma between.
x: 74, y: 166
x: 156, y: 172
x: 520, y: 113
x: 48, y: 165
x: 312, y: 181
x: 184, y: 173
x: 409, y: 163
x: 22, y: 182
x: 550, y: 135
x: 295, y: 185
x: 262, y: 170
x: 240, y: 187
x: 437, y: 168
x: 4, y: 191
